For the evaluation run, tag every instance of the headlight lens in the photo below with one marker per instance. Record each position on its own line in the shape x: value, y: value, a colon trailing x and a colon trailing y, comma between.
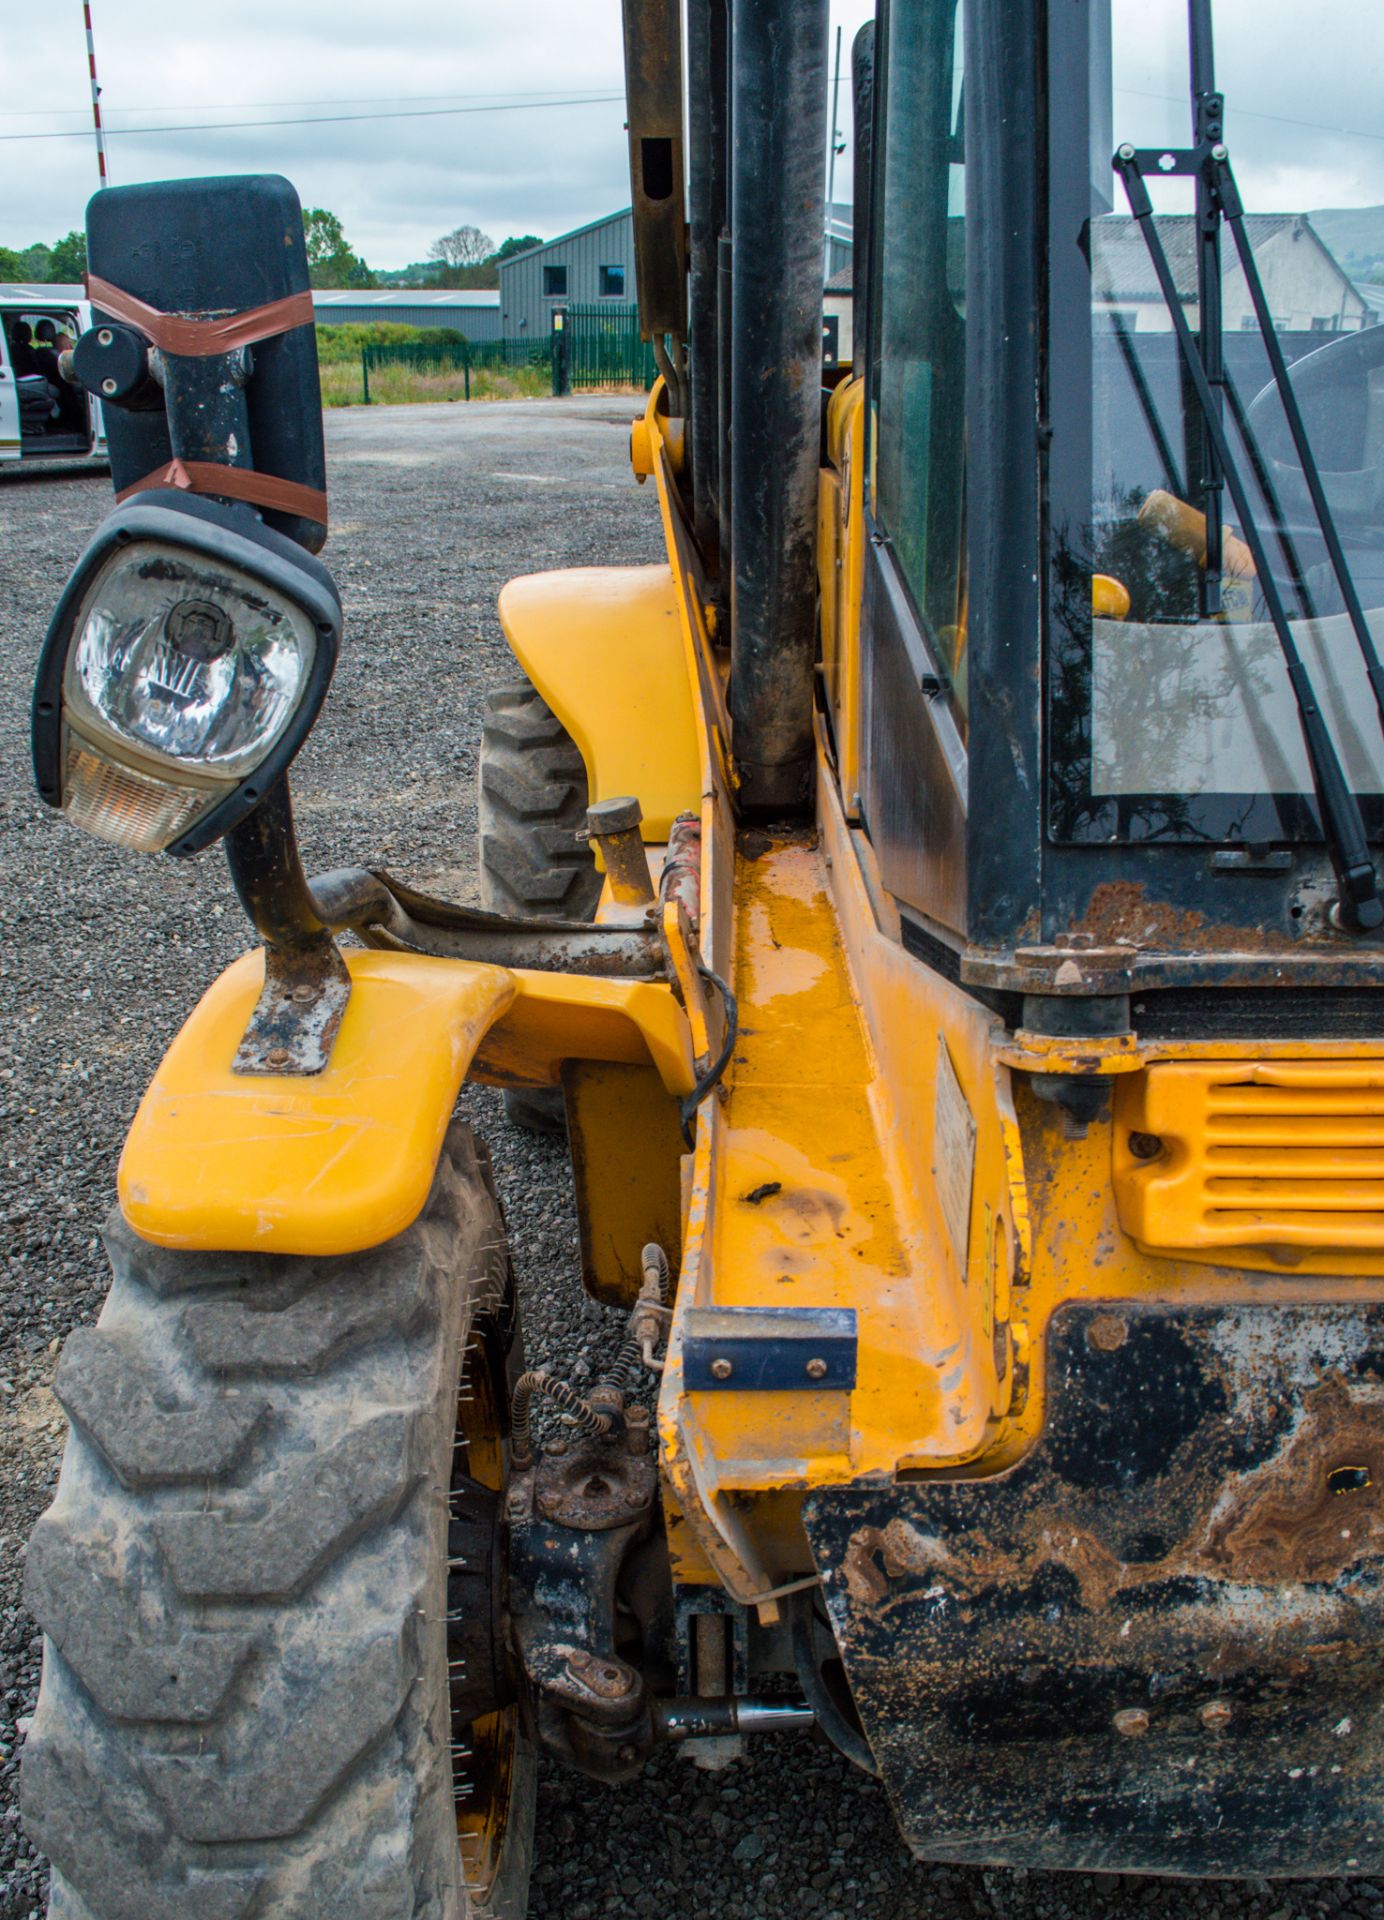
x: 127, y: 808
x: 185, y: 659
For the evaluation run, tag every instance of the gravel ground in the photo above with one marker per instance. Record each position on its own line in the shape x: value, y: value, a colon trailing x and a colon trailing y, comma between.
x: 102, y: 953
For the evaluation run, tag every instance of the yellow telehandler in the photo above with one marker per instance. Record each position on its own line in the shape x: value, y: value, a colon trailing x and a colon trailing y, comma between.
x: 940, y: 899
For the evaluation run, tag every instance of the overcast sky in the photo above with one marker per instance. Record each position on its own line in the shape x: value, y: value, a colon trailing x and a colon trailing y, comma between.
x: 396, y: 183
x: 399, y: 182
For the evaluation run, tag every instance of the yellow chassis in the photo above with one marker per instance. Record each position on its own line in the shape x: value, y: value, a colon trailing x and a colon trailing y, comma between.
x: 876, y: 1144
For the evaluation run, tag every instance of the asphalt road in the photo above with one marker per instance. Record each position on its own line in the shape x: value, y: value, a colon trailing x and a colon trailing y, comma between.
x: 102, y: 953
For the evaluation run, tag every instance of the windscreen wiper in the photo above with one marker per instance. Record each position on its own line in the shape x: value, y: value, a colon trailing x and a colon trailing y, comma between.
x: 1342, y: 825
x: 1233, y: 208
x: 1343, y: 828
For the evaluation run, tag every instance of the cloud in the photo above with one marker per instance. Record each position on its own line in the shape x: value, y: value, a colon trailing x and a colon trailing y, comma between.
x: 396, y: 183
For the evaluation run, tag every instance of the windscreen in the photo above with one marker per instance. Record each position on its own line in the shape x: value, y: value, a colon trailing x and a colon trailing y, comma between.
x: 1170, y: 708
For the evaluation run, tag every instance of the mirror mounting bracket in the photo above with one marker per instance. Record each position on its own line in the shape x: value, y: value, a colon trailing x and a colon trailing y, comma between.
x: 306, y: 985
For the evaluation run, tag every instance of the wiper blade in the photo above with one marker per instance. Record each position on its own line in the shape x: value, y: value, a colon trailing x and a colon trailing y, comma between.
x: 1342, y: 825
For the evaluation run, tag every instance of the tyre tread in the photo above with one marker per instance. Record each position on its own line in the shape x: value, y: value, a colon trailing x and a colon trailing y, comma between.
x: 252, y: 1666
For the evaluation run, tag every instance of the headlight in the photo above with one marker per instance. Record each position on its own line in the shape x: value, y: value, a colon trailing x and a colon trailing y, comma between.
x: 185, y: 663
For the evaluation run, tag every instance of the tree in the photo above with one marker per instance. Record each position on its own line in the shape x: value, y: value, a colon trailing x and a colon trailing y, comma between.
x: 34, y: 261
x: 11, y: 264
x: 462, y: 247
x: 68, y: 260
x: 516, y: 243
x: 331, y: 260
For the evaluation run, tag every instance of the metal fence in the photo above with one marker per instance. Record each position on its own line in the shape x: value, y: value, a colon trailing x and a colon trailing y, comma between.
x: 604, y: 348
x: 452, y: 356
x: 596, y: 347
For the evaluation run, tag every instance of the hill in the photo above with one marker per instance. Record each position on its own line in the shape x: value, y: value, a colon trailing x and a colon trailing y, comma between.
x: 1355, y: 235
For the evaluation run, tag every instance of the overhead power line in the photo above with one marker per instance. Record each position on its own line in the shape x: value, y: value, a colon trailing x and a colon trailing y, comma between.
x: 513, y: 95
x: 332, y: 119
x: 1237, y: 112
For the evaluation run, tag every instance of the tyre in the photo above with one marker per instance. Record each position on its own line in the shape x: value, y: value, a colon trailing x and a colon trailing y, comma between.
x: 531, y: 811
x: 270, y: 1585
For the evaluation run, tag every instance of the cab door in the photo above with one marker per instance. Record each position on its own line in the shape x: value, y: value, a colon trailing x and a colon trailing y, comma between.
x: 9, y: 404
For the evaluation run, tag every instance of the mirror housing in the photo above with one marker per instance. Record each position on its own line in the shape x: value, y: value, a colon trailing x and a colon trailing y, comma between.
x: 177, y: 269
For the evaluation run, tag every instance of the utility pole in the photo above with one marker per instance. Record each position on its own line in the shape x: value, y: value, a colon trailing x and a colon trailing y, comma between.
x: 96, y: 97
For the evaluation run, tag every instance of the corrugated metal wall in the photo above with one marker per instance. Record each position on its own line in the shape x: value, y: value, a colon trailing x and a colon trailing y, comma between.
x: 526, y: 310
x: 477, y: 323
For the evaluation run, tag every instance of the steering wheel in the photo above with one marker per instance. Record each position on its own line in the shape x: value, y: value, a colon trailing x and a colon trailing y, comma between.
x: 1340, y: 394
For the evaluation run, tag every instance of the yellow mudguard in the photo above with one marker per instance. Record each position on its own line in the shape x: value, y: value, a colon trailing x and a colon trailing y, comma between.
x: 325, y: 1165
x: 604, y: 647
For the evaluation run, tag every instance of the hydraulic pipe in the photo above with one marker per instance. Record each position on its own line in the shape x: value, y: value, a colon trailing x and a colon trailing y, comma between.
x: 778, y: 197
x: 863, y: 106
x: 708, y: 30
x: 702, y: 1719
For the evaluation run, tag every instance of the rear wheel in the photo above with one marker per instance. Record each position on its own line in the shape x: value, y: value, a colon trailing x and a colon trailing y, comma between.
x: 271, y: 1585
x: 534, y: 860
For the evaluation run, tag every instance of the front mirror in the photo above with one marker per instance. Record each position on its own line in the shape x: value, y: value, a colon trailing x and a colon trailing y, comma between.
x: 183, y: 668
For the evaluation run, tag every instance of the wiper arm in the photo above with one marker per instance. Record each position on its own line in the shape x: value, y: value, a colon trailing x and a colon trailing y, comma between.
x: 1233, y: 208
x: 1342, y: 825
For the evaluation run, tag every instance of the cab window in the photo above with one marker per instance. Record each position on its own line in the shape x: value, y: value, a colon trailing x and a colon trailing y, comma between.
x: 919, y: 463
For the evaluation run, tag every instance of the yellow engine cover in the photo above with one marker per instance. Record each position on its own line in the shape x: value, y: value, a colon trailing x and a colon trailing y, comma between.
x: 1276, y: 1164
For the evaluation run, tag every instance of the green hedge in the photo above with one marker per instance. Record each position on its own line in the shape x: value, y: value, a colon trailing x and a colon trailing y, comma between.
x: 335, y: 344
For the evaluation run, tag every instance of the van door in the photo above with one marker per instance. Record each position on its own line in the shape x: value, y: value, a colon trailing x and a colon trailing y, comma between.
x: 95, y: 414
x: 9, y: 404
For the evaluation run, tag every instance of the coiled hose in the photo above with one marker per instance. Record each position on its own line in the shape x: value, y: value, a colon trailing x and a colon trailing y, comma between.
x: 528, y: 1387
x: 627, y: 1371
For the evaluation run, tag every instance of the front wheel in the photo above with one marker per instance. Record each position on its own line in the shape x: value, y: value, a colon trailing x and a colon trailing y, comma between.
x: 534, y: 858
x: 274, y: 1676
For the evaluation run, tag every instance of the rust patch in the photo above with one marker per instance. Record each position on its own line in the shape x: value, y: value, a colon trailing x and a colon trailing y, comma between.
x: 1308, y: 1513
x: 1316, y: 1507
x: 1121, y: 912
x: 878, y: 1555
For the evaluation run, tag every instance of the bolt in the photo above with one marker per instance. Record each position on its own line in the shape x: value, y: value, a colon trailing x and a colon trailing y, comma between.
x: 816, y: 1369
x: 1126, y: 152
x: 637, y: 1429
x: 1145, y: 1146
x: 721, y: 1369
x: 549, y: 1505
x: 105, y: 337
x: 1131, y: 1722
x: 110, y: 386
x: 304, y: 995
x: 1108, y: 1332
x: 557, y: 1447
x: 277, y: 1057
x: 1216, y: 1714
x: 1219, y: 152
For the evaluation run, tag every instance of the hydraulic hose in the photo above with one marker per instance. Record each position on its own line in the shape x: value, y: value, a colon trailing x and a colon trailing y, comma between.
x: 839, y: 1729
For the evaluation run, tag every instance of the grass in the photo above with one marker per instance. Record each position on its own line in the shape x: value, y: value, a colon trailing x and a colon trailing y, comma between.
x: 410, y: 386
x: 338, y: 361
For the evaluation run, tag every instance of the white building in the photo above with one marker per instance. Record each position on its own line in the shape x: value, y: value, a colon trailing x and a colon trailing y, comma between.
x: 1306, y: 288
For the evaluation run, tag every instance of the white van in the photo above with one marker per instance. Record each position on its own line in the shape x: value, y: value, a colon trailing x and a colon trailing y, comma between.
x: 41, y: 416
